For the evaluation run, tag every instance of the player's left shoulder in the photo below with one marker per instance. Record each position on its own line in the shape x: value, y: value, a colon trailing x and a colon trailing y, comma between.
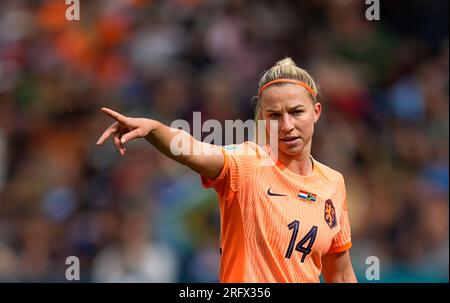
x: 332, y: 175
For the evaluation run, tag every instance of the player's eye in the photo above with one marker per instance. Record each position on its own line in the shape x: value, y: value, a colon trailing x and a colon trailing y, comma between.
x: 274, y: 115
x: 297, y: 112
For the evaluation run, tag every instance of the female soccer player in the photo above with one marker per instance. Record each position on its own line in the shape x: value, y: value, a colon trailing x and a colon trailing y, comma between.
x: 285, y: 222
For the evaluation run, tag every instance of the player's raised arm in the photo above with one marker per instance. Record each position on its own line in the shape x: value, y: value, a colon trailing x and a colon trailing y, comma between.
x: 162, y: 137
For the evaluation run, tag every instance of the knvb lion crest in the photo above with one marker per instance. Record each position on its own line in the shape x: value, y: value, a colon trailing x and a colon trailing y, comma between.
x: 330, y: 214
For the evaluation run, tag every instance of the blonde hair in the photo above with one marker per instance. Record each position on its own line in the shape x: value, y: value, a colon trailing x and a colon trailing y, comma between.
x: 284, y: 69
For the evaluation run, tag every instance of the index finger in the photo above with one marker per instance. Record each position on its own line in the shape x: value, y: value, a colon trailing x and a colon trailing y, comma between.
x: 115, y: 115
x: 112, y: 129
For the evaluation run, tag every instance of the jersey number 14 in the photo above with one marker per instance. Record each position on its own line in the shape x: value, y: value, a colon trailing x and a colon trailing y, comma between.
x: 309, y: 238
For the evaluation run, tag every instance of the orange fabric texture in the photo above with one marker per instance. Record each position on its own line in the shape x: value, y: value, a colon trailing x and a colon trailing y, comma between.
x: 267, y: 210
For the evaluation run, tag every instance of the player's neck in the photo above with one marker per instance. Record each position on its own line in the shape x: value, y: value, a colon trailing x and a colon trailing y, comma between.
x: 301, y: 164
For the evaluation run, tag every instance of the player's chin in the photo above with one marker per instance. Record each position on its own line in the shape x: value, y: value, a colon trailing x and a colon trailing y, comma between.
x: 290, y: 149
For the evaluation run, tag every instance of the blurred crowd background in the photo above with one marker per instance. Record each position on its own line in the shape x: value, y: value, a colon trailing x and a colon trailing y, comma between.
x: 143, y: 218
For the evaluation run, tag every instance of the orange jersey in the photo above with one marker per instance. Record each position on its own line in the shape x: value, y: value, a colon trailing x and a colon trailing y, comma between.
x: 275, y: 224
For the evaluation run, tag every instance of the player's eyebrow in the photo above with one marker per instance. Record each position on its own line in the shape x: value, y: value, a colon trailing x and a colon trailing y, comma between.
x: 269, y: 110
x: 296, y: 107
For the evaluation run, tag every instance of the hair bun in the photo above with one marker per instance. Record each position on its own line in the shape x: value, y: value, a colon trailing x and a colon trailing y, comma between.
x: 286, y: 62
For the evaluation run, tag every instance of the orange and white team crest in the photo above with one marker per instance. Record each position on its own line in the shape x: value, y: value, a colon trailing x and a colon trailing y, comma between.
x: 330, y: 214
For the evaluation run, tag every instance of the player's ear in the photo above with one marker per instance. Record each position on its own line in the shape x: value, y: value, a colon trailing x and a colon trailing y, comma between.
x: 317, y: 111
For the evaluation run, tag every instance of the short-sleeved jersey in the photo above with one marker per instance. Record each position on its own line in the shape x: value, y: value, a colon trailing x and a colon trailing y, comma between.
x: 275, y: 224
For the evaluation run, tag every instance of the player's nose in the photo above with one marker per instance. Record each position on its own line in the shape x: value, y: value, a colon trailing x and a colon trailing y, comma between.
x: 286, y: 123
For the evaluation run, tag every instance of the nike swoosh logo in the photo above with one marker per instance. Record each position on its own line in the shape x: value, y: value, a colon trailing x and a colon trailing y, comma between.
x: 274, y: 194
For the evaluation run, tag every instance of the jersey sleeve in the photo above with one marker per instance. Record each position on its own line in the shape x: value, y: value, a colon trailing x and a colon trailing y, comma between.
x: 238, y: 163
x: 342, y: 240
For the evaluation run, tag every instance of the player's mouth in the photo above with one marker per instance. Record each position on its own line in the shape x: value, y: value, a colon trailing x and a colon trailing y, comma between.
x: 290, y: 140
